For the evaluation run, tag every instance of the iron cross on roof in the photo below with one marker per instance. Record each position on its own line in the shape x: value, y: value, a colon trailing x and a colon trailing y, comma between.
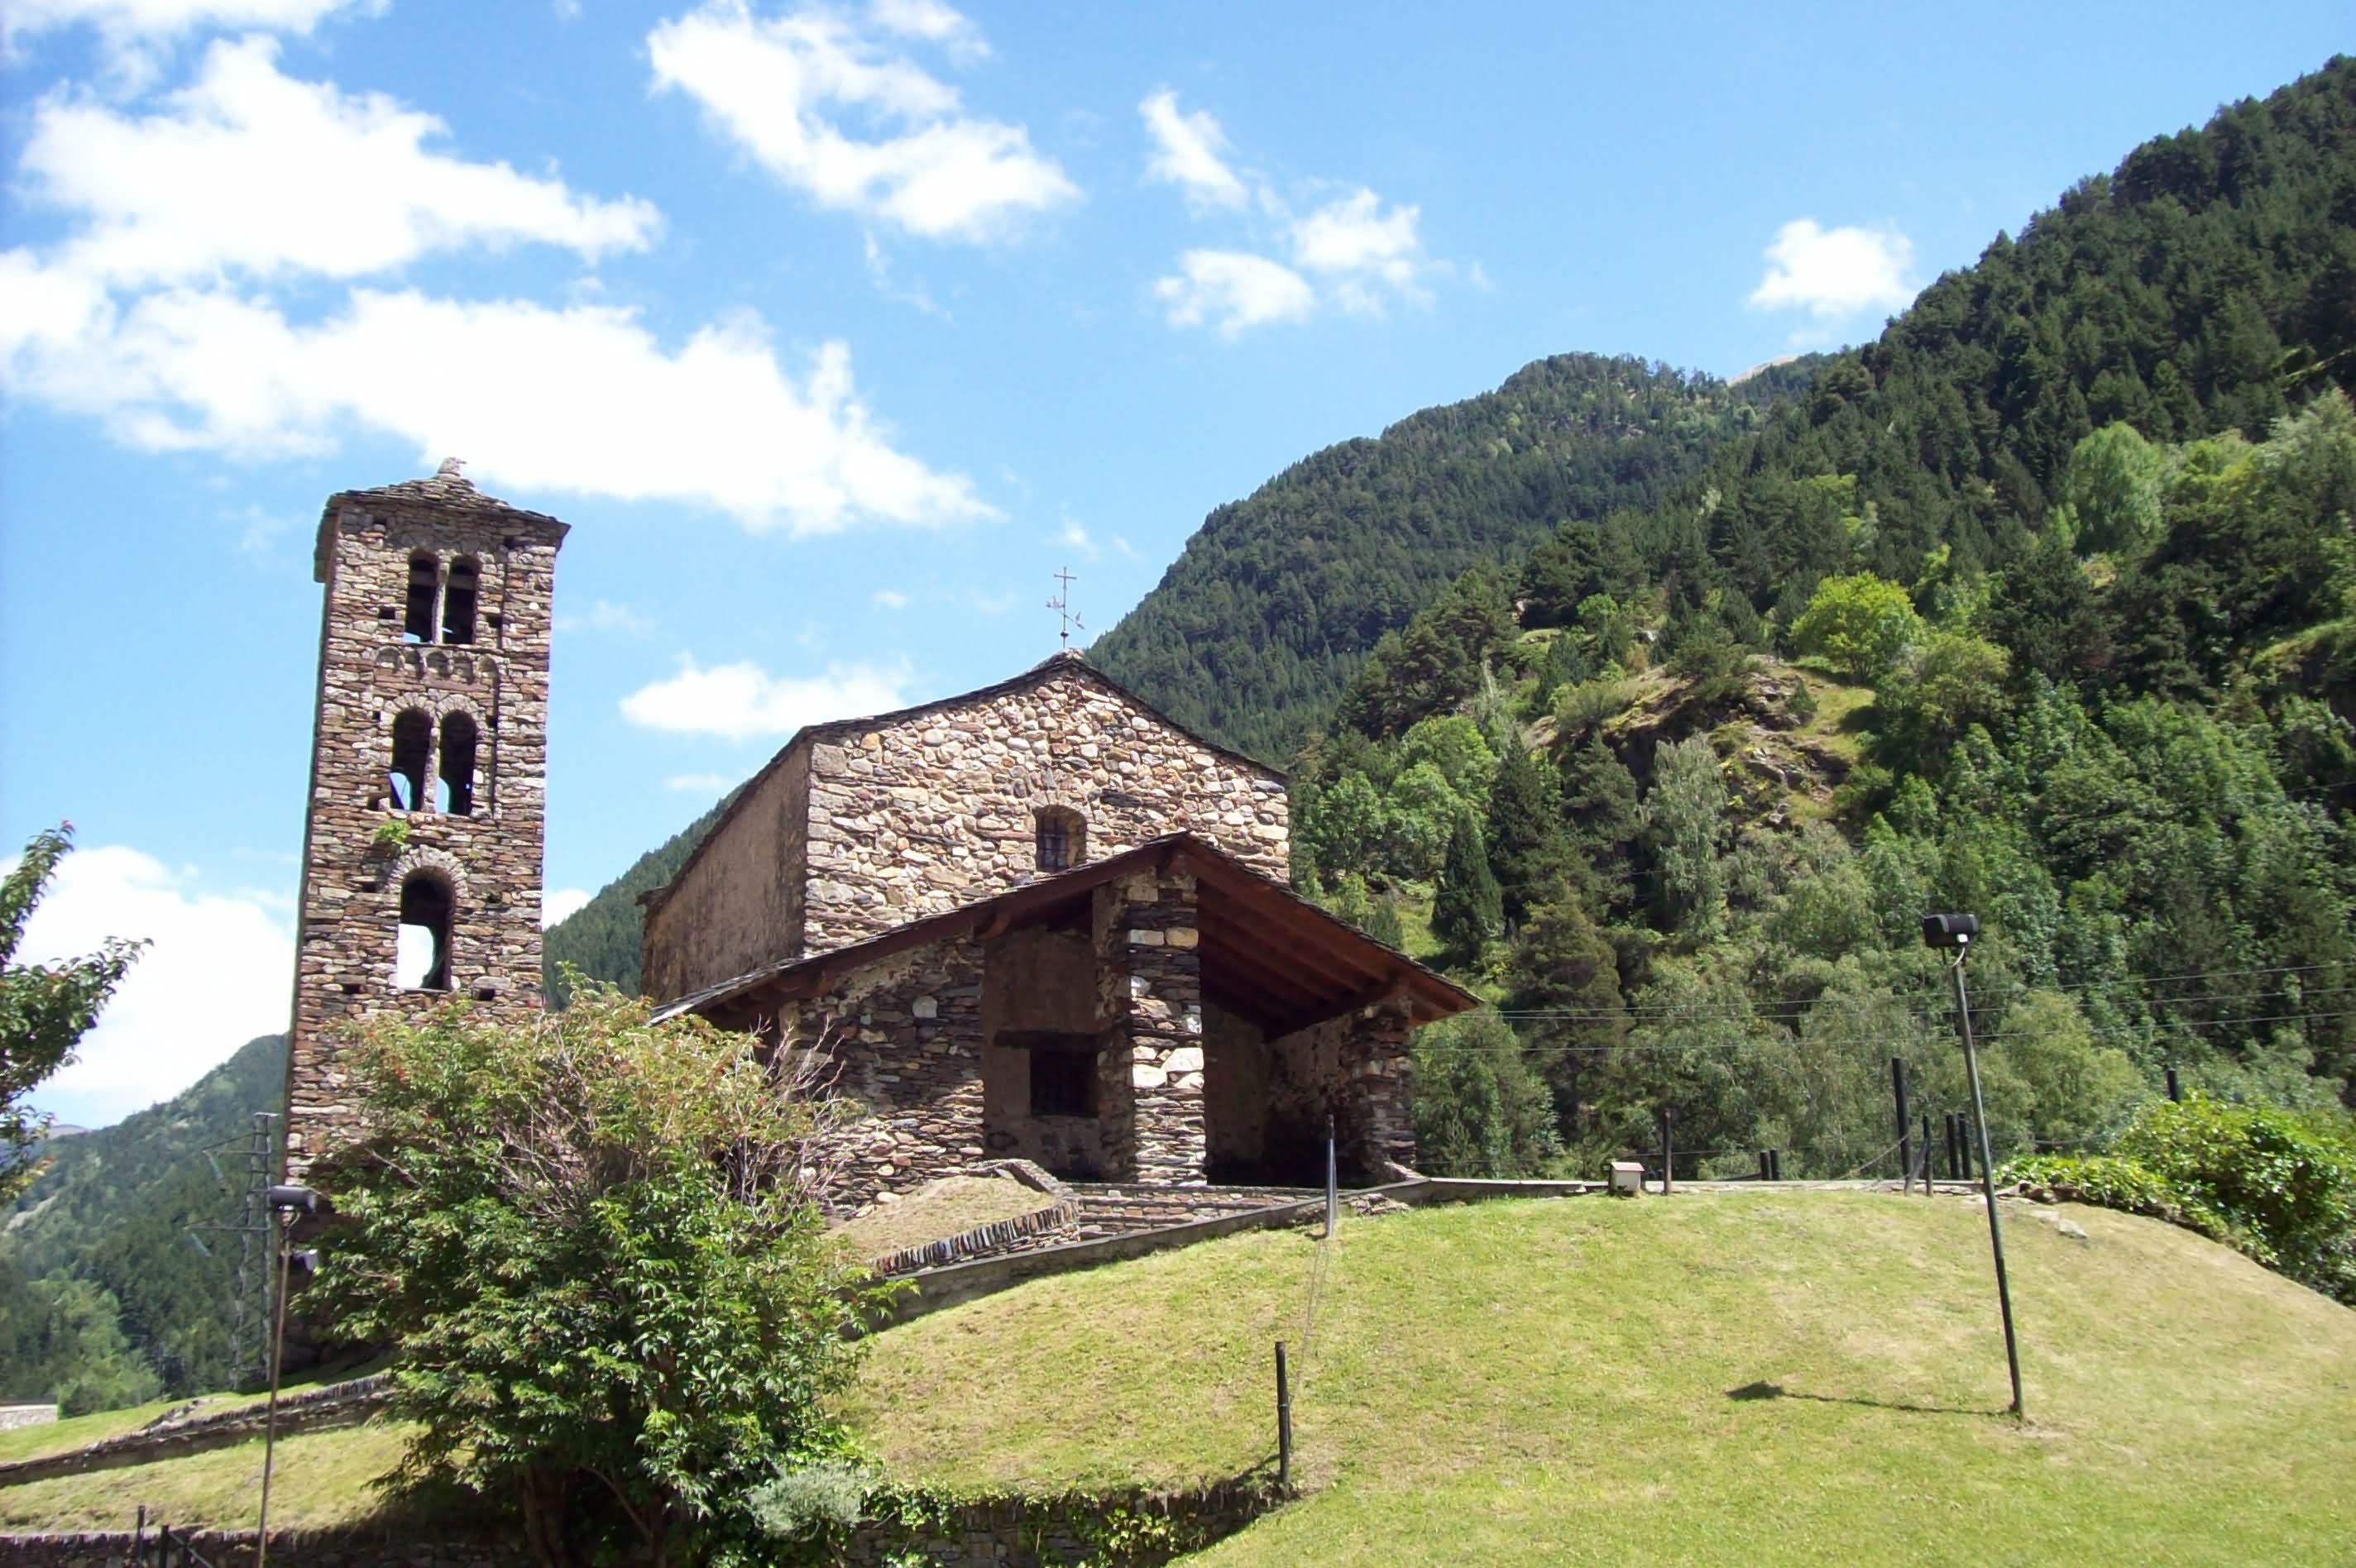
x: 1062, y: 604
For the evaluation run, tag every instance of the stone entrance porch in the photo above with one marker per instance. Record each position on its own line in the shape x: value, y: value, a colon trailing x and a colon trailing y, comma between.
x: 1166, y: 1017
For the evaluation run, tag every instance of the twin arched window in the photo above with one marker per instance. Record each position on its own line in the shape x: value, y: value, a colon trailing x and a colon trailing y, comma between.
x: 415, y: 783
x: 440, y: 609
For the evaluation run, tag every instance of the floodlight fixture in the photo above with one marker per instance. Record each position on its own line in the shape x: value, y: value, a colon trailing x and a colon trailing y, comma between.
x: 286, y: 1199
x: 1950, y: 930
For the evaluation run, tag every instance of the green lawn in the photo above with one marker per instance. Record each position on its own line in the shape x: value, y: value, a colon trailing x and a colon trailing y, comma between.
x: 1754, y: 1377
x: 319, y: 1477
x: 82, y: 1431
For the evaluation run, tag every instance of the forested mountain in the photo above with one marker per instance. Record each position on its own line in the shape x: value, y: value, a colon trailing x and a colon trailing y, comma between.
x: 2082, y: 523
x: 2065, y: 556
x: 600, y: 937
x: 110, y: 1293
x: 1251, y: 633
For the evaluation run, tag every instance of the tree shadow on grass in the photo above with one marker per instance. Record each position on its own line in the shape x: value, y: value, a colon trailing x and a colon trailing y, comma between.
x: 1762, y: 1389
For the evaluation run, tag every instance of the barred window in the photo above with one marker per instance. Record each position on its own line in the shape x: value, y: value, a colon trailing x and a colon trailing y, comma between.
x: 1062, y: 838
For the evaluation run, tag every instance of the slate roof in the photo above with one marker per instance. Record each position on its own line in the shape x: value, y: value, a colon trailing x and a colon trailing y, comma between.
x: 1266, y: 952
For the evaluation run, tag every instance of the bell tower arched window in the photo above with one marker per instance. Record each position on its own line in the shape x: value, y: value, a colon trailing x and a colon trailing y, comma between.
x: 422, y: 952
x: 458, y: 599
x: 413, y: 760
x: 458, y: 742
x: 1060, y: 837
x: 417, y: 619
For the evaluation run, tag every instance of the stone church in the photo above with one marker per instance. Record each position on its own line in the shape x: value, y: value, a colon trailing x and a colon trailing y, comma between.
x: 1037, y: 921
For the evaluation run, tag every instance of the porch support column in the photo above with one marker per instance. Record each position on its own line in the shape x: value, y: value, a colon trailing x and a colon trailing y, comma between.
x: 1378, y: 1088
x: 1148, y: 937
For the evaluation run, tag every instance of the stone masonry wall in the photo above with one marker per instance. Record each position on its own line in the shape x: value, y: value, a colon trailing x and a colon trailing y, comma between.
x: 729, y: 913
x: 904, y: 1038
x: 915, y: 817
x: 350, y: 904
x: 1149, y: 947
x: 1357, y: 1067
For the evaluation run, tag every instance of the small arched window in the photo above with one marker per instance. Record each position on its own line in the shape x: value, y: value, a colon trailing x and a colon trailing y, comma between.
x: 413, y: 760
x: 458, y: 599
x: 422, y: 952
x: 424, y: 586
x: 458, y: 737
x: 1061, y: 835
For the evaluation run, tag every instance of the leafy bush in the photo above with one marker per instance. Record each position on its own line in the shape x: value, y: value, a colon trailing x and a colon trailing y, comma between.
x: 2286, y: 1179
x: 2108, y: 1181
x: 1589, y: 703
x: 811, y: 1504
x: 2272, y: 1184
x: 590, y: 1242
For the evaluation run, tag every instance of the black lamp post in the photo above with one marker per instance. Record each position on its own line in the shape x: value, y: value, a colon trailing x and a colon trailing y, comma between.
x: 1955, y: 932
x: 284, y: 1202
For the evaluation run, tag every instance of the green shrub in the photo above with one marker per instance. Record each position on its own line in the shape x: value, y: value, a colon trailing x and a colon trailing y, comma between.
x: 1582, y: 707
x: 2108, y: 1181
x: 2288, y: 1180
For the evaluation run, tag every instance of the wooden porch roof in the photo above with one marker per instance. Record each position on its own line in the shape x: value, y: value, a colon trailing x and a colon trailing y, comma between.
x: 1267, y: 952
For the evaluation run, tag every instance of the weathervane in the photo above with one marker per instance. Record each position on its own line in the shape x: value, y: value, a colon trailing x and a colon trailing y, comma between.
x: 1062, y: 604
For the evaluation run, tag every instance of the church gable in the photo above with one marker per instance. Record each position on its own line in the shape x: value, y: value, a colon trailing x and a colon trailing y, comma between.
x: 914, y: 814
x: 865, y: 824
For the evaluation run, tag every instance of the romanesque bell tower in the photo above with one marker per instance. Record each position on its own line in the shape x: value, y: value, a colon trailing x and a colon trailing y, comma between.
x: 422, y: 848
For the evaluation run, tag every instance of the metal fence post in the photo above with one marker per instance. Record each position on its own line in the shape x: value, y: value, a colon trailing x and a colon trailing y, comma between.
x: 1283, y: 1423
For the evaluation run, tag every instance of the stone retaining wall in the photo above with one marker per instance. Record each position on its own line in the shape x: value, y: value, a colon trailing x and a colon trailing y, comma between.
x: 324, y: 1409
x: 1007, y: 1531
x: 1018, y: 1531
x: 13, y: 1416
x: 995, y: 1237
x: 375, y: 1547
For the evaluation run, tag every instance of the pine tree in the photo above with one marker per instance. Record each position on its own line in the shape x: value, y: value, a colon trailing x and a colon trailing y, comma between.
x: 1527, y: 846
x: 1563, y: 969
x: 1467, y: 911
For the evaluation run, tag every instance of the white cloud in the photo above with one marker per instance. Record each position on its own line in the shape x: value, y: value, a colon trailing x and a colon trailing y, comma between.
x: 604, y: 615
x: 250, y: 170
x: 1077, y: 538
x: 738, y: 701
x: 890, y: 599
x: 1363, y: 253
x: 133, y: 30
x: 933, y: 22
x: 879, y: 272
x: 772, y: 85
x: 1128, y: 551
x: 1835, y: 272
x: 1234, y: 291
x: 558, y: 904
x: 219, y: 972
x: 1187, y: 153
x: 700, y: 783
x: 585, y: 402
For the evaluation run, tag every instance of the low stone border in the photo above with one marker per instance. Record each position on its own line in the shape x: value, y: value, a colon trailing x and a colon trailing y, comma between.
x: 373, y: 1546
x: 1130, y: 1525
x: 979, y: 1240
x: 322, y: 1409
x: 953, y: 1283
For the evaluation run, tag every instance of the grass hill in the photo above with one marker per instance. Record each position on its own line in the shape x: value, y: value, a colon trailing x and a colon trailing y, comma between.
x: 104, y: 1296
x: 1771, y: 1377
x: 1753, y: 1377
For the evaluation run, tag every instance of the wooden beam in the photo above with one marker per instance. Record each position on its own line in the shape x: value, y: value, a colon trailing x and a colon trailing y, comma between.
x: 1262, y: 970
x: 1338, y: 965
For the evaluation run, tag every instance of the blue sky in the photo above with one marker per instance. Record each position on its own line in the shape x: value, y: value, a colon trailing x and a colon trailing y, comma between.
x: 835, y: 329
